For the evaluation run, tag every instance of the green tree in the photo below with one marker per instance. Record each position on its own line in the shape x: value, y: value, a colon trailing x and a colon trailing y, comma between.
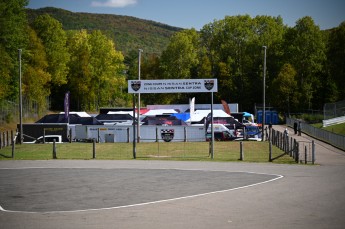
x: 107, y: 69
x: 54, y: 38
x: 336, y: 60
x: 35, y: 78
x: 6, y: 65
x: 80, y: 76
x: 181, y: 55
x: 284, y: 88
x: 13, y: 36
x: 306, y: 52
x: 96, y: 71
x: 233, y: 47
x: 179, y: 60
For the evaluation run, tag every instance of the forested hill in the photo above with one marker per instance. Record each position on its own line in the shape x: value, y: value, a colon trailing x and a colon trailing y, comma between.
x: 128, y: 33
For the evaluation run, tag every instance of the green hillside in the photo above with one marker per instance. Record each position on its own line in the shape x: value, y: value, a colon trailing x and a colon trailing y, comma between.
x: 128, y: 33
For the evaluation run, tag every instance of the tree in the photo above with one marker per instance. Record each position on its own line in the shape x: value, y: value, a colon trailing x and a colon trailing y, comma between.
x: 233, y: 47
x: 335, y: 59
x: 36, y: 79
x: 96, y: 71
x: 306, y: 52
x: 6, y: 65
x: 54, y: 38
x: 80, y: 76
x: 284, y: 87
x: 13, y: 24
x: 181, y: 55
x: 107, y: 69
x: 179, y: 60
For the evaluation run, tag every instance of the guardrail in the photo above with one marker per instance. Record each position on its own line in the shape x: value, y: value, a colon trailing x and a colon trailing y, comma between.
x: 333, y: 121
x: 336, y: 140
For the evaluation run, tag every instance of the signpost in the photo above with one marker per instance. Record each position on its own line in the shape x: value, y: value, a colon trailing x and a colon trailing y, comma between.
x: 173, y: 86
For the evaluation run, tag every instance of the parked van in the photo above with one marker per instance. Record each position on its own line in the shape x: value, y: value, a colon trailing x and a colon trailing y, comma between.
x: 48, y: 139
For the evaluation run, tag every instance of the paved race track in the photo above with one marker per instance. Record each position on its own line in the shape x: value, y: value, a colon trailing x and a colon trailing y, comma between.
x: 168, y: 194
x: 82, y: 189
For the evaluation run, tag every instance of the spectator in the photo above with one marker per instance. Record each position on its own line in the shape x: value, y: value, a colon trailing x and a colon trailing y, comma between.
x: 299, y: 129
x: 295, y: 127
x: 286, y: 132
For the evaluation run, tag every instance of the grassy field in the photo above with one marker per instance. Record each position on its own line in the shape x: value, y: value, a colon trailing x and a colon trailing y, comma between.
x: 192, y: 151
x: 337, y: 129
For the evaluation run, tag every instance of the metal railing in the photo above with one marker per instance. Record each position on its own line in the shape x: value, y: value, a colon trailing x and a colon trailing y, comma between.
x: 333, y: 121
x: 336, y: 140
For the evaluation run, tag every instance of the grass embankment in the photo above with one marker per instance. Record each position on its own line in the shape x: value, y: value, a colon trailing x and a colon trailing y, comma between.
x: 191, y: 151
x: 337, y: 129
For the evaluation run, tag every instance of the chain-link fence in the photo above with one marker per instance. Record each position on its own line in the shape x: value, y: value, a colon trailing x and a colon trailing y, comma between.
x: 333, y: 110
x: 10, y: 110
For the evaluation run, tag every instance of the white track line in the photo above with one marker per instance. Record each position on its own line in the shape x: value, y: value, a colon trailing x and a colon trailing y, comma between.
x: 152, y: 202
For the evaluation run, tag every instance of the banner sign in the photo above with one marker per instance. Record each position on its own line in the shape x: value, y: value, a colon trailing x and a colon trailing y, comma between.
x: 173, y: 86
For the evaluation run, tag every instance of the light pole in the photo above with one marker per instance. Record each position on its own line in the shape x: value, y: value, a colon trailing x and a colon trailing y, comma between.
x: 264, y: 97
x: 20, y: 98
x: 138, y: 114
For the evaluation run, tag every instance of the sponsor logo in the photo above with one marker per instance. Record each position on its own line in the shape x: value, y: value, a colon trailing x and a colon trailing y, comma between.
x: 209, y: 84
x: 136, y: 85
x: 167, y: 134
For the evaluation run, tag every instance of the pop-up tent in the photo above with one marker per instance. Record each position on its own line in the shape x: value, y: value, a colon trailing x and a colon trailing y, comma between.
x: 72, y: 119
x: 114, y: 118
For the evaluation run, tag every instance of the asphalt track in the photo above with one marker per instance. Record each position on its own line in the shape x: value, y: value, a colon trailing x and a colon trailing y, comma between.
x: 167, y: 194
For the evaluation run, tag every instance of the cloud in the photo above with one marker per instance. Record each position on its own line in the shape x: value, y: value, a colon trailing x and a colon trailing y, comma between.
x: 114, y: 3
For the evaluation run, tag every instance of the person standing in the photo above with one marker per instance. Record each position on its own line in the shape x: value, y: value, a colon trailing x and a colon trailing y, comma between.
x: 299, y: 129
x: 295, y: 127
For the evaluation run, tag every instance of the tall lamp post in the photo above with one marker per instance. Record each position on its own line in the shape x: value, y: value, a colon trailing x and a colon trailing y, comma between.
x: 20, y: 98
x: 138, y: 114
x: 264, y: 97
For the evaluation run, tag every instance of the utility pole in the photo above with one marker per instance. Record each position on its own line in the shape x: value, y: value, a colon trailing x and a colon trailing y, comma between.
x: 20, y: 98
x: 138, y: 114
x: 264, y: 97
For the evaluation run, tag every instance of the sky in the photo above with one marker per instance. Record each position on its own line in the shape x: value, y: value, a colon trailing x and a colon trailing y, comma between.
x: 197, y: 13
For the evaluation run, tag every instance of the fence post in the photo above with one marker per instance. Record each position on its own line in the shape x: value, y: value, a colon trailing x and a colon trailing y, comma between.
x: 274, y: 137
x: 156, y: 134
x: 279, y: 140
x: 313, y: 152
x: 127, y: 135
x: 305, y: 155
x: 13, y: 148
x: 4, y: 139
x: 297, y: 152
x: 270, y: 152
x: 0, y: 141
x: 7, y: 138
x: 241, y: 151
x: 185, y: 134
x: 286, y: 140
x: 94, y: 149
x: 54, y: 149
x: 291, y: 146
x: 12, y: 136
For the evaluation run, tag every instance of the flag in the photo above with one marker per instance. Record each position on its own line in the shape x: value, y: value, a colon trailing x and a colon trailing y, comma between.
x: 191, y: 107
x: 226, y: 107
x: 66, y: 105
